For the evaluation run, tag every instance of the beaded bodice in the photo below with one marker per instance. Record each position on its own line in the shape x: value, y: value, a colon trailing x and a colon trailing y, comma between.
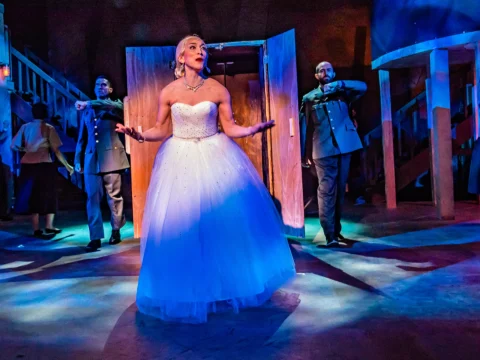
x: 193, y: 122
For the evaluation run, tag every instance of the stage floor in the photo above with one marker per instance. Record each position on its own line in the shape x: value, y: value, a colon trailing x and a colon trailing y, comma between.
x: 407, y: 288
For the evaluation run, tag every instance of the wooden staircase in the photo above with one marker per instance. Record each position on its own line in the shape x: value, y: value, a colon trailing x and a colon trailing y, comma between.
x: 34, y: 80
x: 412, y: 148
x: 420, y: 163
x: 31, y: 80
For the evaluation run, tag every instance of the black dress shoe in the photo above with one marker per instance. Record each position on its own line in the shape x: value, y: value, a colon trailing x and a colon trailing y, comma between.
x: 115, y: 238
x: 345, y: 240
x: 332, y: 242
x: 340, y: 237
x: 39, y: 234
x: 53, y: 231
x: 93, y: 245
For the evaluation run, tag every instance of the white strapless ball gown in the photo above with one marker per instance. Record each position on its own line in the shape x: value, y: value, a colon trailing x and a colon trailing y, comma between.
x: 212, y: 238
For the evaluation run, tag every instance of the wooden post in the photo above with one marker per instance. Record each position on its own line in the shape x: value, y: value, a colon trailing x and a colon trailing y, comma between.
x: 415, y: 118
x: 442, y: 133
x: 6, y: 155
x: 3, y: 45
x: 428, y: 89
x: 476, y: 92
x: 387, y: 138
x: 476, y: 96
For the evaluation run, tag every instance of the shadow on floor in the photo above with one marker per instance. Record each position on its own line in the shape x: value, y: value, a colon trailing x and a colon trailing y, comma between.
x: 225, y: 334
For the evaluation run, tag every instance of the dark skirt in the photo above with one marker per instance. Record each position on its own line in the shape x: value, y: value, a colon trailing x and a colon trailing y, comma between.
x: 36, y: 192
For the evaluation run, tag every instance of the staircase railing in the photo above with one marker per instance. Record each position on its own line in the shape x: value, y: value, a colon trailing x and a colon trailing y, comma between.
x: 55, y: 74
x: 5, y: 56
x: 29, y: 83
x: 411, y: 140
x: 408, y: 132
x: 405, y: 118
x: 30, y: 79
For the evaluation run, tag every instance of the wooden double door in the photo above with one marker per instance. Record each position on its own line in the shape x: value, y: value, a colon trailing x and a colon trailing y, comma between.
x: 261, y: 77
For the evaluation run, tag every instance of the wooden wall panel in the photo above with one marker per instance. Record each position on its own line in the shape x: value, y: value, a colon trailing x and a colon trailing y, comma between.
x: 247, y: 109
x: 148, y: 72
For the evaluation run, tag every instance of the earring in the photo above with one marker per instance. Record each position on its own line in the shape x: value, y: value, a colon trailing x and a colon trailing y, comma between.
x: 207, y: 69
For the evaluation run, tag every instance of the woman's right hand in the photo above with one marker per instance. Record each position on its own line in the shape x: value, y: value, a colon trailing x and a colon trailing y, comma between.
x: 130, y: 131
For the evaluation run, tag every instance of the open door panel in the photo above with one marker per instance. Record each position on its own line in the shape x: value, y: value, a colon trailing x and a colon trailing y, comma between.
x: 281, y: 69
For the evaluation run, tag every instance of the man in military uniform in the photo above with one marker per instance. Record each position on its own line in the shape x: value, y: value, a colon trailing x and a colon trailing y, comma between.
x: 101, y: 156
x: 328, y: 136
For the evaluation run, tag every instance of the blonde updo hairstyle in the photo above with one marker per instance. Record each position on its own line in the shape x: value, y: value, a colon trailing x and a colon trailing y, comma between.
x: 180, y: 67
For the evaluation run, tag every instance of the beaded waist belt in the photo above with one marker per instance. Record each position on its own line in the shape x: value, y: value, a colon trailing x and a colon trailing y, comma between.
x: 196, y: 138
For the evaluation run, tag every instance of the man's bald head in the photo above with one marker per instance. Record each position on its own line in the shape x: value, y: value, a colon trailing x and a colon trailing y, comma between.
x: 324, y: 72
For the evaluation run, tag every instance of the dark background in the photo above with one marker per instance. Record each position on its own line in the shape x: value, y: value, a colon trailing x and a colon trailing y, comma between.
x: 397, y: 24
x: 84, y: 38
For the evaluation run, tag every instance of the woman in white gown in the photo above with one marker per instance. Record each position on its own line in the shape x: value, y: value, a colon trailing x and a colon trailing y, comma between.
x: 212, y: 238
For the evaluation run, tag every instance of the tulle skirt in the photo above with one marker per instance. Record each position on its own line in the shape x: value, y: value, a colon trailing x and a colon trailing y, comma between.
x: 212, y: 238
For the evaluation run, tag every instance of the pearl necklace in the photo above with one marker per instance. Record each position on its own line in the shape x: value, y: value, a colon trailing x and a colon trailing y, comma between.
x: 193, y: 88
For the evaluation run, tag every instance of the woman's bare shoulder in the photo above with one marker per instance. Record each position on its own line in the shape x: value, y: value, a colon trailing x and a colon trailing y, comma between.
x: 168, y: 91
x: 174, y: 85
x: 216, y: 88
x: 214, y: 84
